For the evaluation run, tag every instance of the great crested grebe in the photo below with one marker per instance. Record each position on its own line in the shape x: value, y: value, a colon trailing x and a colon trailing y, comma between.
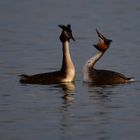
x: 67, y: 71
x: 102, y: 77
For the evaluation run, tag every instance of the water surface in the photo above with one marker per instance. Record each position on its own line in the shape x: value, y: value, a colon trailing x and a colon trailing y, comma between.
x: 29, y: 44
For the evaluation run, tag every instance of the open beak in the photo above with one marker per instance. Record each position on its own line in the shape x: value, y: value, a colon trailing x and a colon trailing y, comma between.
x: 72, y: 37
x: 101, y: 36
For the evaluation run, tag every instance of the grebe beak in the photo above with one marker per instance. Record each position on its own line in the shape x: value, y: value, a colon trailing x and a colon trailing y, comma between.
x: 101, y: 36
x: 68, y: 30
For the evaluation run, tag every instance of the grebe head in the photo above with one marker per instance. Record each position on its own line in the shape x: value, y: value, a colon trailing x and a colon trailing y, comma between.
x: 66, y: 33
x: 103, y: 43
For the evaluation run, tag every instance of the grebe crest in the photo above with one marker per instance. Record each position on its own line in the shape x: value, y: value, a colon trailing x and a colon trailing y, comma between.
x: 66, y: 34
x: 67, y: 71
x: 102, y: 77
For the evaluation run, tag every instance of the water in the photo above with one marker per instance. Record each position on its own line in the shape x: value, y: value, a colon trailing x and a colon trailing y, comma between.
x: 29, y: 44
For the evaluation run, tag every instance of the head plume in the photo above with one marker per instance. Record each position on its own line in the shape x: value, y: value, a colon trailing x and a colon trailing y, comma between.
x: 66, y: 33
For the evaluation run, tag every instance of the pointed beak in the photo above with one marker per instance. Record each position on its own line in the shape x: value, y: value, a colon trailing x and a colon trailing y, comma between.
x: 72, y: 38
x: 101, y: 36
x: 62, y: 26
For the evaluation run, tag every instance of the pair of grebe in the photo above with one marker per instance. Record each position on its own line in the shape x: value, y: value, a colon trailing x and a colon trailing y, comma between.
x: 67, y: 72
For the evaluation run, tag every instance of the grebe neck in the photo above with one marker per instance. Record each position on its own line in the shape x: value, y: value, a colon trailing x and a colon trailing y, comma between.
x: 67, y: 63
x: 90, y: 65
x: 92, y: 61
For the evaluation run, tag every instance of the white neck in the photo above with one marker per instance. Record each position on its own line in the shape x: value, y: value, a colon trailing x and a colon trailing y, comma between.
x: 92, y: 61
x: 90, y: 64
x: 67, y: 64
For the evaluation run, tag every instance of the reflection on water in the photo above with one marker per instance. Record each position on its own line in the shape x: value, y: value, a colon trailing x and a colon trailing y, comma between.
x: 102, y: 91
x: 68, y: 89
x: 85, y: 124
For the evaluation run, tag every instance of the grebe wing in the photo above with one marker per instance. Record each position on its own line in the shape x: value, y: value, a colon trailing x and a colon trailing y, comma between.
x: 109, y: 73
x: 43, y: 78
x: 104, y: 77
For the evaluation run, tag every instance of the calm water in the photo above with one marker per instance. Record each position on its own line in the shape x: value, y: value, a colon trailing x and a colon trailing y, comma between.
x: 29, y: 44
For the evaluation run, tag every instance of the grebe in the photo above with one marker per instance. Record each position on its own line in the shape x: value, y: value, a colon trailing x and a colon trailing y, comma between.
x: 102, y: 77
x: 67, y: 71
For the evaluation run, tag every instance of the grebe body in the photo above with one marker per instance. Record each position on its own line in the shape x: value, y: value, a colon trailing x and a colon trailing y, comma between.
x: 67, y: 71
x: 102, y: 77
